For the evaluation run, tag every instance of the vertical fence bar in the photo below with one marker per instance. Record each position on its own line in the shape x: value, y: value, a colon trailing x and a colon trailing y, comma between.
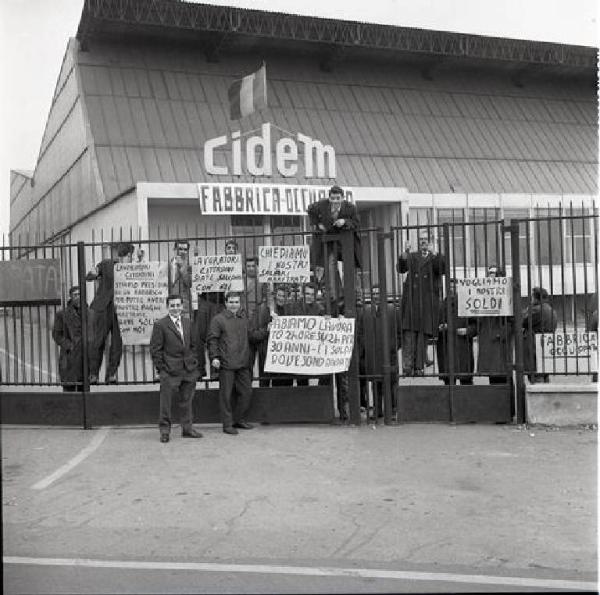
x: 85, y: 388
x: 386, y: 364
x: 518, y: 321
x: 450, y: 330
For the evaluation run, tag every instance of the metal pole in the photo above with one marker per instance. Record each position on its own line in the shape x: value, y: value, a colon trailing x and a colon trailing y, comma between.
x: 385, y: 322
x: 83, y: 308
x: 450, y: 329
x: 350, y: 312
x: 518, y: 321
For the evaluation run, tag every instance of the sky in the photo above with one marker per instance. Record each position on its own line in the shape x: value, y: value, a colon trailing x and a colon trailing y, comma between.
x: 34, y: 35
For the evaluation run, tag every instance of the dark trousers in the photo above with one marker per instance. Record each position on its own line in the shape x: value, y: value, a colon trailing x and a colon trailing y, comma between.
x: 341, y: 382
x: 234, y: 410
x: 182, y: 387
x: 414, y: 351
x: 103, y: 323
x: 262, y: 358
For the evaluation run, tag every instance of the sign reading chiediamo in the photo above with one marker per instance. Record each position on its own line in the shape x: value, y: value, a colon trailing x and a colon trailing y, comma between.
x: 283, y: 264
x: 217, y: 272
x: 260, y: 199
x: 141, y: 290
x: 484, y: 296
x: 310, y: 345
x: 566, y: 353
x: 28, y: 281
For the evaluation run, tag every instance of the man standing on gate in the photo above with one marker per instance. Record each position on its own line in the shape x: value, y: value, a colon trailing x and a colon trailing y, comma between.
x: 175, y: 356
x: 103, y: 318
x: 229, y: 353
x: 333, y: 215
x: 420, y: 303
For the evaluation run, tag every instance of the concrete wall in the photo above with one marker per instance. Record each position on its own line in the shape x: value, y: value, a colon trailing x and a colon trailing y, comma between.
x: 562, y: 404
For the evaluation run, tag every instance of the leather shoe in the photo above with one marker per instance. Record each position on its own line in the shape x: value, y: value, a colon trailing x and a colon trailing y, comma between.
x: 191, y: 434
x: 243, y: 425
x: 230, y: 430
x: 164, y: 437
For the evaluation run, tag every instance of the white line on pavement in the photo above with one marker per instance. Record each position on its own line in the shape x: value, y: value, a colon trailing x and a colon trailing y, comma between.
x: 309, y: 571
x: 86, y: 452
x: 19, y: 362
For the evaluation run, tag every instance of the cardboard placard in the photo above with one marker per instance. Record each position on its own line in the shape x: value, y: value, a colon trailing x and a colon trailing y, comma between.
x: 283, y: 264
x: 24, y: 281
x: 141, y: 290
x: 217, y: 272
x: 310, y: 345
x: 566, y: 353
x: 484, y: 296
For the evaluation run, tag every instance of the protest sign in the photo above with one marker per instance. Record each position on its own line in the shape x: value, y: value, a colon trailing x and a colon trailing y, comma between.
x: 310, y: 345
x: 484, y: 296
x: 141, y: 290
x: 566, y: 353
x: 283, y: 264
x: 217, y: 272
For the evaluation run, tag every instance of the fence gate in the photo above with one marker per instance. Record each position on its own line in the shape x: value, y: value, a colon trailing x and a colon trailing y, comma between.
x: 449, y: 301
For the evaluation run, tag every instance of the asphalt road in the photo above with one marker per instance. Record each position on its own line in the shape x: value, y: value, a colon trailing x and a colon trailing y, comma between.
x: 299, y: 508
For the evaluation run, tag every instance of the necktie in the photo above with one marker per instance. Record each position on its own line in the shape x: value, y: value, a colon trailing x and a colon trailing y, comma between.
x: 179, y: 327
x: 335, y: 211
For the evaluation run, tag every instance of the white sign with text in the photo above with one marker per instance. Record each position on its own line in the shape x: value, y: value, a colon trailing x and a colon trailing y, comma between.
x: 217, y: 272
x: 566, y: 353
x: 484, y: 296
x: 283, y: 264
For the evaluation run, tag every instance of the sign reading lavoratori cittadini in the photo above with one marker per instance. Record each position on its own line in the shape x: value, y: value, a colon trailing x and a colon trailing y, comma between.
x: 310, y: 345
x: 484, y: 296
x: 217, y: 272
x: 141, y: 290
x: 283, y: 264
x: 567, y: 353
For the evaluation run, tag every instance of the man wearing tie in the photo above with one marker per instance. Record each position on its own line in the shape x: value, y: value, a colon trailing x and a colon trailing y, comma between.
x: 174, y: 354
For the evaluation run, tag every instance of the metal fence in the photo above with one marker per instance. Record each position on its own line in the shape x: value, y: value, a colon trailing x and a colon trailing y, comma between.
x: 556, y: 252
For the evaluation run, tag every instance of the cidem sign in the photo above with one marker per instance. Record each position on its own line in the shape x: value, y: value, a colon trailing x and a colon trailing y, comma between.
x: 253, y: 155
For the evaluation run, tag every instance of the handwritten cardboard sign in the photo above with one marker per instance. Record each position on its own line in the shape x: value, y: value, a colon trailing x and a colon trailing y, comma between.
x: 283, y: 264
x: 141, y: 290
x: 310, y: 345
x: 566, y: 353
x: 484, y: 296
x: 217, y: 272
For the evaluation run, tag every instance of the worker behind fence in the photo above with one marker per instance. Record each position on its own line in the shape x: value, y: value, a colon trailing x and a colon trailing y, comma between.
x: 420, y: 303
x: 103, y: 317
x: 229, y: 350
x: 494, y: 334
x: 333, y: 215
x: 66, y: 333
x: 538, y: 317
x: 255, y: 295
x: 180, y: 276
x: 175, y: 356
x: 458, y: 343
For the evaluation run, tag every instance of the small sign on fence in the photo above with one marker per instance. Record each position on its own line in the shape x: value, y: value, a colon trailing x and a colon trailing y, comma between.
x: 217, y: 272
x: 141, y: 290
x: 484, y: 296
x: 310, y: 345
x: 283, y: 264
x: 567, y: 353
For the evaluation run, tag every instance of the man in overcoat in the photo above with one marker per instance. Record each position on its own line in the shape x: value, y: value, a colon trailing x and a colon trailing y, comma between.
x: 331, y: 216
x: 420, y: 303
x: 460, y: 340
x: 175, y: 356
x: 66, y: 333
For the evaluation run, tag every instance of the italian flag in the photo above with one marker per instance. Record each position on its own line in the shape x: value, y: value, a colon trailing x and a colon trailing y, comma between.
x: 248, y: 94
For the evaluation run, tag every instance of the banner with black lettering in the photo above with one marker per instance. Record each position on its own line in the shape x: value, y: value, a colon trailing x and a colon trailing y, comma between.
x: 283, y: 264
x: 217, y: 272
x: 484, y: 296
x: 567, y: 353
x: 141, y: 290
x: 310, y: 345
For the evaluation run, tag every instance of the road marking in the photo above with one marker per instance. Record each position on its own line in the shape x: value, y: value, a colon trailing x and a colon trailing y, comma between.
x: 86, y: 452
x: 20, y: 362
x: 309, y: 571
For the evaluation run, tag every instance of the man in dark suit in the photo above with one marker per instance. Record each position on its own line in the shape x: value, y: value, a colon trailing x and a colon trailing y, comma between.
x: 333, y: 215
x: 420, y: 303
x: 175, y: 356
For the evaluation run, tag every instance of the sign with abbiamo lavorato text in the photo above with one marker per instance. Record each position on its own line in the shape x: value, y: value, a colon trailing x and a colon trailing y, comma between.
x: 484, y: 296
x: 310, y: 345
x: 141, y: 290
x: 260, y: 199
